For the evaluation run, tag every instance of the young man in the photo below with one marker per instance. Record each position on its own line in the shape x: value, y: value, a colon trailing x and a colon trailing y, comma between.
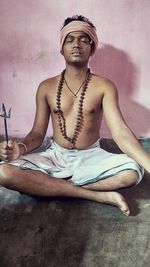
x: 75, y: 165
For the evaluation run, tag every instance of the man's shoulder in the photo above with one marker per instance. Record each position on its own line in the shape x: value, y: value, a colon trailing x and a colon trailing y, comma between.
x: 48, y: 86
x: 50, y: 82
x: 103, y: 80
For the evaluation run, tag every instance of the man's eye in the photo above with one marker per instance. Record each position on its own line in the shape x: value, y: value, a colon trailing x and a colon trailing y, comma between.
x: 69, y: 40
x: 85, y: 40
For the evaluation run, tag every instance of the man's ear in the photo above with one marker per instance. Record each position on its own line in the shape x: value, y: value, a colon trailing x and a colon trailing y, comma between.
x: 61, y: 52
x: 92, y: 49
x: 92, y: 53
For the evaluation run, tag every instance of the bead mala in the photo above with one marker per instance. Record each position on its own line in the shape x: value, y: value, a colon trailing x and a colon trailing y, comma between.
x: 60, y: 114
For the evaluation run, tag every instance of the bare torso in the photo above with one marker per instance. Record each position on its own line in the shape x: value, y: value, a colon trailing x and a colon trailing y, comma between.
x: 92, y: 111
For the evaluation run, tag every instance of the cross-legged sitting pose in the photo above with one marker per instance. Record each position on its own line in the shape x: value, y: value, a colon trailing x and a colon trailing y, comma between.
x: 74, y: 165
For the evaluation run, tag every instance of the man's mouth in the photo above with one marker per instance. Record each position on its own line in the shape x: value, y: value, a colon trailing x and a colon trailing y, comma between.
x: 76, y: 53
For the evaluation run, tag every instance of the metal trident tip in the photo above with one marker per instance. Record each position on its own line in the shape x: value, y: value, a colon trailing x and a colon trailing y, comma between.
x: 5, y: 116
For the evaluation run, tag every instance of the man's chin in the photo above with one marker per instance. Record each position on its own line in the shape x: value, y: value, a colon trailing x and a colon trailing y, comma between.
x: 77, y: 63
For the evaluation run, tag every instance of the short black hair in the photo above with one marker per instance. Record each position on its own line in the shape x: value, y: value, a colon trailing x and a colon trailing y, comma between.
x: 79, y: 18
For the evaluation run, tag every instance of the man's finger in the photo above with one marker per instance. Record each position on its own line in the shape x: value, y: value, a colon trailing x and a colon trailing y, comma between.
x: 10, y: 144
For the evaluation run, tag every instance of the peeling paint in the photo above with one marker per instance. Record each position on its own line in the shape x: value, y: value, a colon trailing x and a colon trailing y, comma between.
x: 43, y: 55
x: 14, y: 74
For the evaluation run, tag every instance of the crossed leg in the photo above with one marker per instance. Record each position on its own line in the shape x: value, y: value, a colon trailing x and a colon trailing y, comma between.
x: 40, y: 184
x: 122, y: 179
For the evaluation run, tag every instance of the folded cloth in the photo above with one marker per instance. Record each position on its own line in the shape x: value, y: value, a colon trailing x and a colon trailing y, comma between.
x: 84, y: 166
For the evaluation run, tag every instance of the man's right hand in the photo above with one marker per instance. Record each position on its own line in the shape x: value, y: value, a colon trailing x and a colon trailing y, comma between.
x: 9, y: 151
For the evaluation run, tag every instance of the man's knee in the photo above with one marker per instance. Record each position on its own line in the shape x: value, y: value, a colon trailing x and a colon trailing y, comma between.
x: 5, y: 173
x: 130, y: 177
x: 134, y: 176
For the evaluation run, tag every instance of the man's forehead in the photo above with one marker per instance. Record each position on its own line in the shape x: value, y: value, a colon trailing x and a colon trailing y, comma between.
x: 77, y: 33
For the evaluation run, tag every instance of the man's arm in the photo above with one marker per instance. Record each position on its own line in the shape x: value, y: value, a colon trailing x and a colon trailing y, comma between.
x: 36, y: 136
x: 34, y: 139
x: 120, y: 132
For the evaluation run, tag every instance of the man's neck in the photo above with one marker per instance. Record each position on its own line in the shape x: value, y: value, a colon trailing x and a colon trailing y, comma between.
x: 73, y: 73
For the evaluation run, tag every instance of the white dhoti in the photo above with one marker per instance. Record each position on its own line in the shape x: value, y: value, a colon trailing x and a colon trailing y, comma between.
x: 83, y: 166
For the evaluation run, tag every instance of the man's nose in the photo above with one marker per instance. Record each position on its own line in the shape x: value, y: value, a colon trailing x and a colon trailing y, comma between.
x: 77, y: 43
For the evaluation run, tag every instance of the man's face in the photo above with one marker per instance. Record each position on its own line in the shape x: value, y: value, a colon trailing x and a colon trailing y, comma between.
x: 77, y: 48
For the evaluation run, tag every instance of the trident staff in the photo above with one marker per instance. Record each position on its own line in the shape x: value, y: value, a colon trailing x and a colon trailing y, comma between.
x: 5, y: 116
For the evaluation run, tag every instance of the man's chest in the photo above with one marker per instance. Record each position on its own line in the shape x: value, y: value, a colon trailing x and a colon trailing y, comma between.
x: 89, y: 105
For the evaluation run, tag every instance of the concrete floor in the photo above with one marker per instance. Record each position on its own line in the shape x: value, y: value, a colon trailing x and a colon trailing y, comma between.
x: 74, y: 233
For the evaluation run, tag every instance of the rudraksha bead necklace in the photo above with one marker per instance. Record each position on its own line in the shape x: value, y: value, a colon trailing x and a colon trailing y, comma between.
x: 60, y: 114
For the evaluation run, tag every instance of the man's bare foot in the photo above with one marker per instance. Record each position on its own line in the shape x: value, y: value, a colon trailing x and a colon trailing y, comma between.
x: 115, y: 199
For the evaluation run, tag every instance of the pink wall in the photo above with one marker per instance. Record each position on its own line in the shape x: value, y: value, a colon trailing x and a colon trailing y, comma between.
x: 29, y: 53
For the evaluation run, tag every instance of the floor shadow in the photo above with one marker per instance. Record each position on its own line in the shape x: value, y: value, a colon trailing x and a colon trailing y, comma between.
x: 57, y: 229
x: 136, y: 194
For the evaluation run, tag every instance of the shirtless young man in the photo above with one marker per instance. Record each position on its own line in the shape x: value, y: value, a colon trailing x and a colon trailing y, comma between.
x: 76, y: 100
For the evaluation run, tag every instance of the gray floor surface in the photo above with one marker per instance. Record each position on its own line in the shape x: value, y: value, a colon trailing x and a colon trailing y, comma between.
x: 74, y: 233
